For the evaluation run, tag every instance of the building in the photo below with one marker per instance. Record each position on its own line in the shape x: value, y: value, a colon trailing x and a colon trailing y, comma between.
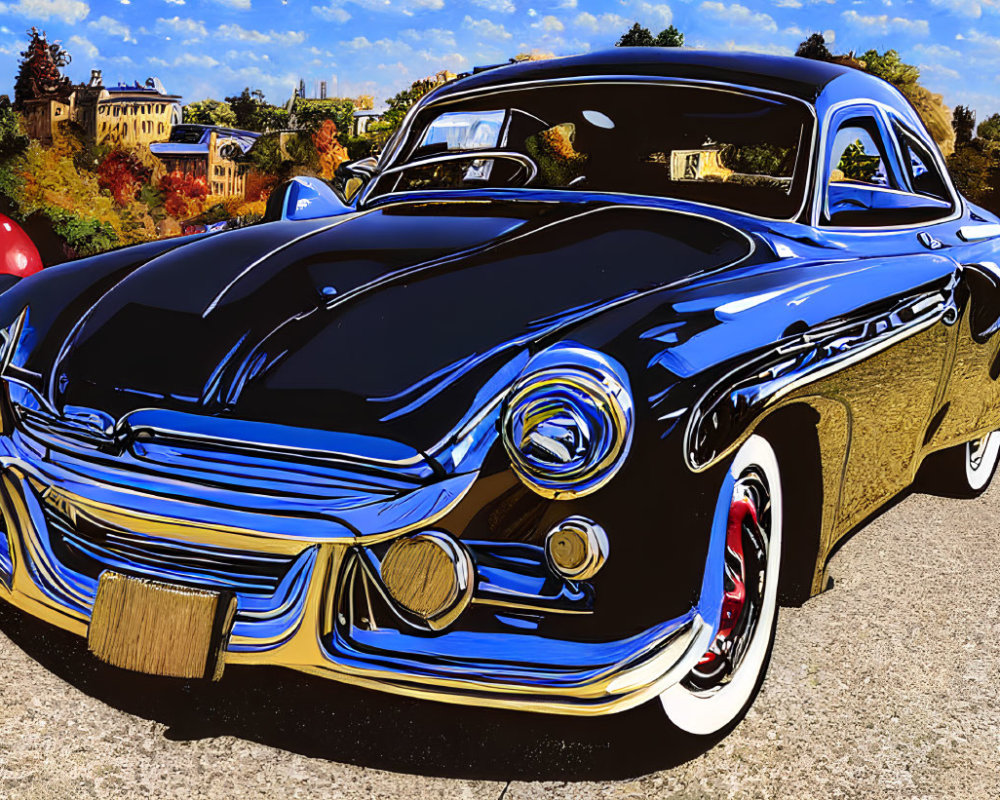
x: 207, y: 151
x: 127, y: 114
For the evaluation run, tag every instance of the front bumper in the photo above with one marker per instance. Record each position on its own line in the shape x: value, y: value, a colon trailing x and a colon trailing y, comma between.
x: 291, y: 573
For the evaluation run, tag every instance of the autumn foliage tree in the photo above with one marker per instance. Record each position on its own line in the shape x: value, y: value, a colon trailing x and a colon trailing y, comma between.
x: 122, y: 174
x: 330, y: 151
x: 39, y: 73
x: 184, y: 195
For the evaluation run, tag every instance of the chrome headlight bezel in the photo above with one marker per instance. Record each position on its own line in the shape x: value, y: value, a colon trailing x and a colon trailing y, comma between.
x: 567, y: 424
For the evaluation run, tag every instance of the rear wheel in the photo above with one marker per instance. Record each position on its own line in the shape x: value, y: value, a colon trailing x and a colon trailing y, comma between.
x: 961, y: 471
x: 718, y: 692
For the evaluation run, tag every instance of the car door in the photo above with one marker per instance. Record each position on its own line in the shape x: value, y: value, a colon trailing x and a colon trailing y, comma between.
x: 970, y: 403
x: 865, y: 205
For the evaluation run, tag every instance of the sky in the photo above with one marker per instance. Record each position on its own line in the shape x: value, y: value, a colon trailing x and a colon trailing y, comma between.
x: 214, y: 48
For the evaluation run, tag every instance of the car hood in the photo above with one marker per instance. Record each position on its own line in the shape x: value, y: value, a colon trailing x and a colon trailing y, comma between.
x: 387, y: 323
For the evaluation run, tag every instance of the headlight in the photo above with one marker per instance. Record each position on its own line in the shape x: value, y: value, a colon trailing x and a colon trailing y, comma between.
x: 567, y: 425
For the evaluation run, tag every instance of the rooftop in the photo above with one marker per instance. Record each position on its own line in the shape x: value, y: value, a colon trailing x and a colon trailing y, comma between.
x: 799, y: 77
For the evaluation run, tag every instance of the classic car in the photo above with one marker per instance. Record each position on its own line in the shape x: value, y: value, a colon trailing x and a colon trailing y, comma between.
x: 593, y: 370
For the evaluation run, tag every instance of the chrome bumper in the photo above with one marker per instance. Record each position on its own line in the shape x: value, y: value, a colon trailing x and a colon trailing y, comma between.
x: 290, y: 616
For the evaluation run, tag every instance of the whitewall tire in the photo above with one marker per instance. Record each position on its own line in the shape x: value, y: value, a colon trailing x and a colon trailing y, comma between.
x: 717, y: 694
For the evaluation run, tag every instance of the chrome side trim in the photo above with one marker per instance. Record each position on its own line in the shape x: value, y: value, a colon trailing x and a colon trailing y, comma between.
x: 976, y: 233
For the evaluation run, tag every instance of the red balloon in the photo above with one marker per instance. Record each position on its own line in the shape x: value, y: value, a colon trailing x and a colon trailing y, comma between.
x: 18, y: 254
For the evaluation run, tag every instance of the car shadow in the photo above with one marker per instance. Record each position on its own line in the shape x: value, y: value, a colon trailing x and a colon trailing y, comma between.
x: 325, y: 719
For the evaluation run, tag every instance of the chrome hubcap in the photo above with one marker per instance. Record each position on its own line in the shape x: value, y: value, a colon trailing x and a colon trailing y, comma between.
x: 747, y: 536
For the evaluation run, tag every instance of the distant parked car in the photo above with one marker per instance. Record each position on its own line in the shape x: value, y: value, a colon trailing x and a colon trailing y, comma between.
x: 601, y: 361
x: 18, y: 255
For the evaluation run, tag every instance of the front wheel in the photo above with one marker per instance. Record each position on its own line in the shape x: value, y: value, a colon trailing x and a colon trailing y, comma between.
x: 961, y: 471
x: 718, y: 692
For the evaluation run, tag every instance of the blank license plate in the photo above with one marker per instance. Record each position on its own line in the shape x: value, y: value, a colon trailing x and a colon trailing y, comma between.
x: 160, y: 628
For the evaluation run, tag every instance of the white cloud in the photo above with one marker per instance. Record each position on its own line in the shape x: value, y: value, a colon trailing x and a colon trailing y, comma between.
x: 171, y: 2
x: 66, y: 10
x: 765, y: 49
x: 239, y: 33
x: 936, y: 51
x: 192, y: 60
x: 598, y: 24
x: 737, y: 14
x: 485, y: 29
x: 883, y: 23
x: 433, y: 37
x: 550, y: 24
x: 939, y: 70
x: 242, y: 5
x: 499, y: 6
x: 788, y: 3
x: 112, y: 27
x: 567, y: 4
x: 85, y: 46
x: 969, y: 8
x: 658, y: 15
x: 190, y: 28
x: 157, y: 62
x: 980, y: 40
x: 331, y: 13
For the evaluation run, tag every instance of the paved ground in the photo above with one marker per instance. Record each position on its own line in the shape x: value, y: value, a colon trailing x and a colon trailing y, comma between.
x: 884, y: 687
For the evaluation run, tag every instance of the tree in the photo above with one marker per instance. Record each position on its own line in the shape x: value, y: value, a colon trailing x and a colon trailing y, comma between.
x: 209, y: 112
x: 669, y: 37
x: 989, y: 128
x: 815, y: 48
x: 890, y: 67
x: 271, y: 118
x: 311, y: 114
x: 963, y: 121
x: 636, y: 36
x: 973, y: 169
x: 122, y: 174
x: 906, y: 77
x: 330, y: 151
x: 245, y: 107
x: 39, y: 73
x: 13, y: 140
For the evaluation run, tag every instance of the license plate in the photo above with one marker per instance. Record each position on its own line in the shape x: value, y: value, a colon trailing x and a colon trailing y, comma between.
x: 160, y: 628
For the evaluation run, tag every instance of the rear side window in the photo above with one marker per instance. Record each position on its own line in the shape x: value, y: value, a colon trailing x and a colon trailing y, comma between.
x: 920, y: 167
x: 857, y: 155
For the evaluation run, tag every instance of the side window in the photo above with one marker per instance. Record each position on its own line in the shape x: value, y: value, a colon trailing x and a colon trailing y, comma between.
x: 858, y: 156
x: 920, y: 167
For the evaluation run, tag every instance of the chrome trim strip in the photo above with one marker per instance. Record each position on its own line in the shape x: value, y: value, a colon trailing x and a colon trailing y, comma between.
x: 976, y: 233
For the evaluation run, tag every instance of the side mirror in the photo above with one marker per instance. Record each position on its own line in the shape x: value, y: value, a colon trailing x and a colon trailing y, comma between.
x: 860, y: 205
x: 304, y: 198
x: 352, y: 176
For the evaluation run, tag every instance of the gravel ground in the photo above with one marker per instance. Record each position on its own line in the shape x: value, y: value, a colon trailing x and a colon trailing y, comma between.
x: 883, y: 687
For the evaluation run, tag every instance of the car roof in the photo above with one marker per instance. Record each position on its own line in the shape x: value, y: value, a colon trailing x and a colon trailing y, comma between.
x: 804, y: 78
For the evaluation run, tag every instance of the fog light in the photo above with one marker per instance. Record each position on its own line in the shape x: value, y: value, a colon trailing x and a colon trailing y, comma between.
x: 576, y: 548
x: 429, y: 575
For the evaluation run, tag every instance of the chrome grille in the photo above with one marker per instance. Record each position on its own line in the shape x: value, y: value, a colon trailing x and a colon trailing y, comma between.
x: 89, y: 547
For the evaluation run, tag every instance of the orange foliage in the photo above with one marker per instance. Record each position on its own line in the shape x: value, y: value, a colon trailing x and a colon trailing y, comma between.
x: 331, y: 152
x: 184, y: 195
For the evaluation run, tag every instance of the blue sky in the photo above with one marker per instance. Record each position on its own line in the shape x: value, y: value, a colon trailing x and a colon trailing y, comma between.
x: 202, y: 48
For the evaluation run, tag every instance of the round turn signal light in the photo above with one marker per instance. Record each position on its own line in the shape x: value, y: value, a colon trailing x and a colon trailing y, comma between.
x: 576, y: 548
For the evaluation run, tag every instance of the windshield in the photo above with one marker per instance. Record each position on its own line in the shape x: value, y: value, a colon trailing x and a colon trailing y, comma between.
x: 714, y: 146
